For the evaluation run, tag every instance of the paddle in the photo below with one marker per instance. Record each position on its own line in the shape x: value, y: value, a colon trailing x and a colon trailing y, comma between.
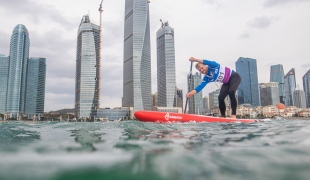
x: 189, y: 85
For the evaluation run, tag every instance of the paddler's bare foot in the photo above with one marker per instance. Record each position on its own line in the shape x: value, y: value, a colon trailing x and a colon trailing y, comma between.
x: 233, y: 117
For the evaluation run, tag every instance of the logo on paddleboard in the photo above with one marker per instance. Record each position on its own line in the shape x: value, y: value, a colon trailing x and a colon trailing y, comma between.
x: 167, y: 117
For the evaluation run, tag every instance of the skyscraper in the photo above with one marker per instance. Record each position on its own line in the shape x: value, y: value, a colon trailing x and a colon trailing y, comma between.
x: 213, y: 99
x: 277, y: 75
x: 205, y: 104
x: 248, y: 89
x: 18, y: 62
x: 289, y: 87
x: 306, y: 83
x: 87, y: 68
x: 269, y: 93
x: 195, y: 102
x: 166, y: 80
x: 4, y: 72
x: 137, y: 56
x: 299, y: 98
x: 35, y: 91
x: 179, y: 98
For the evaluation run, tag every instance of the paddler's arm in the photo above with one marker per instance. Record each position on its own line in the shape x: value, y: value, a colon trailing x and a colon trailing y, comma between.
x: 212, y: 64
x: 203, y: 83
x: 191, y: 93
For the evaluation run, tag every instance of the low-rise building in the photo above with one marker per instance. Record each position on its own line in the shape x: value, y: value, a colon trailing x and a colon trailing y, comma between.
x: 118, y: 113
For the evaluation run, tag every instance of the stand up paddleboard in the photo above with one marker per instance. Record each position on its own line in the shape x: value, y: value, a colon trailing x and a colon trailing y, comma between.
x: 169, y: 117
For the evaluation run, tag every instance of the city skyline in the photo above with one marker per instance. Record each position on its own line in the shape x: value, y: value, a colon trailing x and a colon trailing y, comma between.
x: 257, y: 33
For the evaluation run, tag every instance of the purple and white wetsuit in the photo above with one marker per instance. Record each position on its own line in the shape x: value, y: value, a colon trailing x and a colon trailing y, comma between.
x: 216, y: 73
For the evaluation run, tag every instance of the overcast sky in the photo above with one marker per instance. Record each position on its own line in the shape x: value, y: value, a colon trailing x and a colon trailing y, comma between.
x: 270, y: 31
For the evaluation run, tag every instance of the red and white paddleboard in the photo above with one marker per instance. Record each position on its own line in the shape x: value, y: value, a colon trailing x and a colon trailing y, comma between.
x: 169, y: 117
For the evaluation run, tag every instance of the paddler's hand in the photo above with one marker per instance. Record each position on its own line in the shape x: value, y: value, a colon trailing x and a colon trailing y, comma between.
x: 188, y: 95
x: 192, y: 59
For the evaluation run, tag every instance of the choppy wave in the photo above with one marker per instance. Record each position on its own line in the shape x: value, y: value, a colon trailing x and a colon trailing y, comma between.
x: 135, y: 150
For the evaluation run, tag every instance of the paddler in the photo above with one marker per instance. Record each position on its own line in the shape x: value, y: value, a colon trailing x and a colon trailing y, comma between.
x: 214, y: 72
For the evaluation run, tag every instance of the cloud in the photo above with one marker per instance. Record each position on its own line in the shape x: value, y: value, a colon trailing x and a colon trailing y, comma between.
x: 4, y: 42
x: 61, y: 86
x: 58, y: 51
x: 274, y: 3
x: 36, y: 12
x: 305, y: 66
x: 245, y: 35
x: 213, y: 3
x: 262, y: 22
x: 58, y: 101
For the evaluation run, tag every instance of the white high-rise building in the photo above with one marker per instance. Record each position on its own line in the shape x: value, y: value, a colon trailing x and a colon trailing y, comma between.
x: 166, y: 80
x: 137, y: 92
x: 87, y: 68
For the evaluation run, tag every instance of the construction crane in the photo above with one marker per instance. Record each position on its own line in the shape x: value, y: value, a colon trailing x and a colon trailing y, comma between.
x: 162, y: 24
x: 99, y: 54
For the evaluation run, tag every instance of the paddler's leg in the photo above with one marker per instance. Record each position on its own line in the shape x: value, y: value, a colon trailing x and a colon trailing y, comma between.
x: 223, y: 94
x: 234, y: 83
x: 233, y: 103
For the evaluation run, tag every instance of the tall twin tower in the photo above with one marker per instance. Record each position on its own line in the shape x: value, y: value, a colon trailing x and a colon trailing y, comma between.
x: 137, y: 91
x: 137, y: 60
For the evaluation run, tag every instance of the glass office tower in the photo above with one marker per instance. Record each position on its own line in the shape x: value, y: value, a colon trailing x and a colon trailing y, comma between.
x: 205, y: 104
x: 269, y: 93
x: 166, y: 80
x: 299, y: 98
x: 277, y: 75
x: 179, y: 98
x: 289, y: 87
x: 4, y: 72
x: 35, y: 92
x: 248, y: 91
x: 213, y: 99
x: 87, y: 69
x: 306, y: 83
x: 18, y: 63
x: 195, y: 102
x: 137, y: 56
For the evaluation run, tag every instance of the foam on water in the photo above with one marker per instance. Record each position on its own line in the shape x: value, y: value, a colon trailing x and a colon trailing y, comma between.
x: 275, y: 149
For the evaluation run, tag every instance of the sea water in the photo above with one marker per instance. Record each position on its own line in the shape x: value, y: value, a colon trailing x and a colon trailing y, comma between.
x: 276, y: 149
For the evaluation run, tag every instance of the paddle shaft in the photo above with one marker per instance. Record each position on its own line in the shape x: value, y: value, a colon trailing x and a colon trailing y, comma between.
x: 189, y: 85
